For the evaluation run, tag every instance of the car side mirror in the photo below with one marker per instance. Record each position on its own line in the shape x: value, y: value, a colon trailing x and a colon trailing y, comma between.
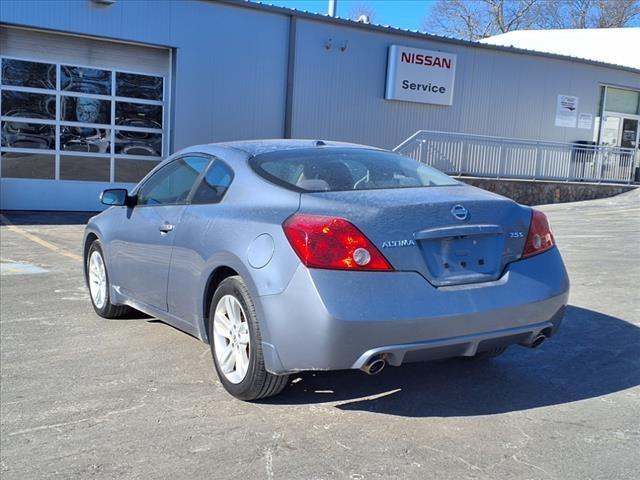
x: 116, y: 197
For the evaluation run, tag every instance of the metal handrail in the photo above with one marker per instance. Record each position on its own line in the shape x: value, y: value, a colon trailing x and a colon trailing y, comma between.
x: 500, y: 157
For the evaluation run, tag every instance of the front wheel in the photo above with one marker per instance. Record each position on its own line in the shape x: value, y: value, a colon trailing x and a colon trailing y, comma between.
x: 236, y: 344
x: 98, y: 280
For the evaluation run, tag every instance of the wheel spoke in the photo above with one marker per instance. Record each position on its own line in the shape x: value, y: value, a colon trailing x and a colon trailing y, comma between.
x: 236, y: 312
x: 242, y: 362
x: 221, y: 326
x: 222, y: 318
x: 231, y: 311
x: 227, y: 359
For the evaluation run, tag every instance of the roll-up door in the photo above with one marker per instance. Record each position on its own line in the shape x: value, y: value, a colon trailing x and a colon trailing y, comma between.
x: 78, y: 115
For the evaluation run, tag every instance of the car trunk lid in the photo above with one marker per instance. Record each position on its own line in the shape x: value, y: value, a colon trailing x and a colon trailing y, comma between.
x: 451, y: 235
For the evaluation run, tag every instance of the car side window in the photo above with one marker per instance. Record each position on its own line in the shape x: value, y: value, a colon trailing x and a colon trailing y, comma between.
x: 214, y: 184
x: 172, y: 184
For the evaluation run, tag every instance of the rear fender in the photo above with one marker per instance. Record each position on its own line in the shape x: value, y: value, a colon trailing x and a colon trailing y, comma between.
x: 229, y: 260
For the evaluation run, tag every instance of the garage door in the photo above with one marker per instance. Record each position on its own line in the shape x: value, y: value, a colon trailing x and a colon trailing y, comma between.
x: 78, y: 115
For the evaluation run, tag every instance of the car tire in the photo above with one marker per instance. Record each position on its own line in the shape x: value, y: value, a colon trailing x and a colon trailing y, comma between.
x: 102, y: 305
x: 489, y: 354
x: 250, y: 381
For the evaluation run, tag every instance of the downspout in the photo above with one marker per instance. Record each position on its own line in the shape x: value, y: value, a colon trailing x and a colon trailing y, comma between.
x: 291, y: 61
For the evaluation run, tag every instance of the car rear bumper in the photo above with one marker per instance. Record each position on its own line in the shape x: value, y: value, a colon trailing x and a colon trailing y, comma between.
x: 331, y: 320
x: 462, y: 346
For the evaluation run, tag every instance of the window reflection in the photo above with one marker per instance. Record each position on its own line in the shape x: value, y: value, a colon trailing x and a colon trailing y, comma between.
x: 28, y: 135
x: 85, y: 80
x: 29, y: 105
x: 132, y: 171
x: 213, y: 185
x: 84, y: 168
x: 28, y: 74
x: 28, y: 165
x: 622, y: 101
x: 138, y: 143
x: 138, y: 86
x: 138, y: 115
x: 85, y: 110
x: 84, y: 139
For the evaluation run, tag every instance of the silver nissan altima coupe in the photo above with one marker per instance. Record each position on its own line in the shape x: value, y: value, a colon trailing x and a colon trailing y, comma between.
x: 293, y: 255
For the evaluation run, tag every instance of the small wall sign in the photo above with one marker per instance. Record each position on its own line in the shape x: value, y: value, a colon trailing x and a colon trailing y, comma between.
x: 567, y: 111
x: 416, y: 75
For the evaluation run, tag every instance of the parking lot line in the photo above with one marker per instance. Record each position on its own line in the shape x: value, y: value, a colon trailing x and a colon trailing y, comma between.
x: 54, y: 248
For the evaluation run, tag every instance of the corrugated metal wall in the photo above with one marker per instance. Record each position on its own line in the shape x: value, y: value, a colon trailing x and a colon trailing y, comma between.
x: 231, y: 73
x: 340, y: 94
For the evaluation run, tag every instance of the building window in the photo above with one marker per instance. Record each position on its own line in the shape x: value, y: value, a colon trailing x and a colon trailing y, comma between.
x: 622, y: 101
x: 72, y: 122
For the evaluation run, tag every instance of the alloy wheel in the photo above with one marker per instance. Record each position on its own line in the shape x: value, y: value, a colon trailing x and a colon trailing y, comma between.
x: 231, y: 339
x: 97, y: 280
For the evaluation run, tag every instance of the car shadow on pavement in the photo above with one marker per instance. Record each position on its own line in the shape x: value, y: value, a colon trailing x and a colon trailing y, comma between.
x: 593, y: 354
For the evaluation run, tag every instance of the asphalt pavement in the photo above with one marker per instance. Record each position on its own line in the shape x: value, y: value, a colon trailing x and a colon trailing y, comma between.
x: 83, y: 397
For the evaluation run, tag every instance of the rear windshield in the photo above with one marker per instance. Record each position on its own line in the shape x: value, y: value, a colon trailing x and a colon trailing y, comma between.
x: 340, y: 169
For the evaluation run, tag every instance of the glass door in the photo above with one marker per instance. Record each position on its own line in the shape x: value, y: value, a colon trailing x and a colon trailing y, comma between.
x: 629, y: 139
x: 610, y: 133
x: 629, y: 133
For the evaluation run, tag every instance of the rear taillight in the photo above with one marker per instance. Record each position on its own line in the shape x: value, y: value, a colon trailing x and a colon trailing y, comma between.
x: 334, y: 243
x: 540, y: 238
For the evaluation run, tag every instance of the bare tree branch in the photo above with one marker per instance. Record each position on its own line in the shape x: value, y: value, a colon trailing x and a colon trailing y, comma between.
x: 522, y: 15
x: 617, y: 13
x: 476, y: 19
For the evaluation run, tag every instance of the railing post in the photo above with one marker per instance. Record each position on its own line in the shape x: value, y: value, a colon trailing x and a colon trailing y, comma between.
x: 500, y: 160
x: 537, y: 162
x: 600, y: 164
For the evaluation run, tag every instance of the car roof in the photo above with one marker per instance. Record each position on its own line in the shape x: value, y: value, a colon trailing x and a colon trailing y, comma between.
x: 255, y: 147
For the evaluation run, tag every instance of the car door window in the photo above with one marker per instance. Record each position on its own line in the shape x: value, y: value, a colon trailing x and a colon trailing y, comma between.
x: 214, y: 184
x: 172, y: 184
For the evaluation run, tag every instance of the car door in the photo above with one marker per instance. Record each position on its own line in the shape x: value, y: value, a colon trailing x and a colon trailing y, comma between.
x: 142, y: 250
x: 198, y: 237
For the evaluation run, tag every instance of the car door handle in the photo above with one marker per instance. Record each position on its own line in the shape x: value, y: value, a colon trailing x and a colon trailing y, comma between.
x: 166, y: 228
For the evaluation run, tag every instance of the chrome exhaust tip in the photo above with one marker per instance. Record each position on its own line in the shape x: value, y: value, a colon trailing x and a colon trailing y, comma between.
x: 374, y: 366
x: 536, y: 342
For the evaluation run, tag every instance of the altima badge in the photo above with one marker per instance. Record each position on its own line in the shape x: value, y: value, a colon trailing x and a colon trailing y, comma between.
x: 459, y: 212
x: 398, y: 243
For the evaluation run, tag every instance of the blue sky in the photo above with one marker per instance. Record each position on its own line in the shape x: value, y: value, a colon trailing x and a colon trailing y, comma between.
x: 407, y: 14
x: 399, y: 13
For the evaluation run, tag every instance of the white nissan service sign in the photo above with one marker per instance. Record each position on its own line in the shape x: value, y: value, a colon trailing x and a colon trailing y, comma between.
x: 423, y: 76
